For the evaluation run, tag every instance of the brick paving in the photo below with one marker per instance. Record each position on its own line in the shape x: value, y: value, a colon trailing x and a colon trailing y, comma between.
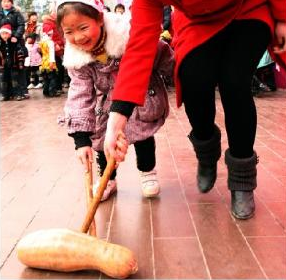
x: 183, y: 234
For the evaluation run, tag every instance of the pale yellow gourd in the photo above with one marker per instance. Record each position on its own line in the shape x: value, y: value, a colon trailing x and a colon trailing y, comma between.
x: 66, y: 250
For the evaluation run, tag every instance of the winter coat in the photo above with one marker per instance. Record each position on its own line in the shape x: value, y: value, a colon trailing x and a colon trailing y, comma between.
x: 34, y: 58
x: 17, y: 21
x: 11, y: 55
x: 167, y: 17
x: 47, y: 48
x: 33, y: 28
x: 195, y: 21
x: 89, y: 95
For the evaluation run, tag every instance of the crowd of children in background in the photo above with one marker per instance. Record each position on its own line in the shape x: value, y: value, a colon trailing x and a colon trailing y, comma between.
x: 30, y: 54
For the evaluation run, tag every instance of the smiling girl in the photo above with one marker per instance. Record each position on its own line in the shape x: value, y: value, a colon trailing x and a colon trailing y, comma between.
x: 95, y: 45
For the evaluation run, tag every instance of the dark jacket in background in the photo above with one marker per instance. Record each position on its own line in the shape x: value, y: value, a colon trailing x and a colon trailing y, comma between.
x: 11, y: 55
x: 167, y: 17
x: 17, y: 21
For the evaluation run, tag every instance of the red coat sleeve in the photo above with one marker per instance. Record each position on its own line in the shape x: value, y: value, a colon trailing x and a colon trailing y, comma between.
x: 278, y: 9
x: 137, y: 62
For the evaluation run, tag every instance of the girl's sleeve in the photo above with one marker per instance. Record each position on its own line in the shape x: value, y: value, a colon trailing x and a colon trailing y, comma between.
x: 81, y: 102
x: 137, y: 62
x: 51, y: 51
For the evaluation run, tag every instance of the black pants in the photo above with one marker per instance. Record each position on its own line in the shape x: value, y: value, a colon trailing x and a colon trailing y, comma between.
x: 145, y: 153
x: 9, y: 85
x: 34, y: 75
x: 60, y: 73
x: 50, y: 83
x: 229, y: 60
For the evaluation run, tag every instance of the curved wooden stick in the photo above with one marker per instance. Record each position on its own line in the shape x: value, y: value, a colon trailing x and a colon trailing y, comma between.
x: 88, y: 180
x: 96, y: 199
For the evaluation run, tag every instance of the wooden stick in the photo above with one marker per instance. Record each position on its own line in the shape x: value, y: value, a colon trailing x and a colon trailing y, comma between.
x: 89, y: 195
x: 96, y: 199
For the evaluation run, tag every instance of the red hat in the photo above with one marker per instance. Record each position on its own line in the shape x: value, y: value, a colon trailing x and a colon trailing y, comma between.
x: 96, y: 4
x: 6, y: 28
x: 47, y: 28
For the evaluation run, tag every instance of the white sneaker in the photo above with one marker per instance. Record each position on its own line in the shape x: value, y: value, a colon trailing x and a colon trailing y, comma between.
x: 39, y: 85
x: 110, y: 189
x: 149, y: 182
x: 30, y: 86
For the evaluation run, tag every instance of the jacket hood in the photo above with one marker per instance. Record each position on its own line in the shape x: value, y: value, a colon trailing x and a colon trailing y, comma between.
x: 117, y: 29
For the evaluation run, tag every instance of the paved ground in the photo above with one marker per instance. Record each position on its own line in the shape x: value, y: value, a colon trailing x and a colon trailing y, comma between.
x: 183, y: 234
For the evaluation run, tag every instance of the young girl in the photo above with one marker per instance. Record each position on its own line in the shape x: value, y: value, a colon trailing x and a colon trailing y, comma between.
x: 48, y: 67
x: 95, y: 44
x: 33, y: 61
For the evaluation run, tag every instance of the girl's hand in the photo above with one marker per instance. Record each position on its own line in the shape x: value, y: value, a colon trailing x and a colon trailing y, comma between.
x: 115, y: 143
x: 14, y: 40
x: 85, y: 156
x: 280, y: 33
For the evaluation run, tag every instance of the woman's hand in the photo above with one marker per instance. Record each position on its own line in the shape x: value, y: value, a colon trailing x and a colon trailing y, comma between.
x: 85, y: 156
x: 280, y: 33
x: 115, y: 143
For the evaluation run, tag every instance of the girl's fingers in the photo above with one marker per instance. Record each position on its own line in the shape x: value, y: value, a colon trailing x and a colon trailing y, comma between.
x: 85, y: 163
x: 90, y: 155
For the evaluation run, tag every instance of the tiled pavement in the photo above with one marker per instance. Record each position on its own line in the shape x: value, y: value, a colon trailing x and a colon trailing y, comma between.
x: 183, y: 234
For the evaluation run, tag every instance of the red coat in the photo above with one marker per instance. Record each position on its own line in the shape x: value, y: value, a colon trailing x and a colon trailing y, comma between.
x: 195, y: 21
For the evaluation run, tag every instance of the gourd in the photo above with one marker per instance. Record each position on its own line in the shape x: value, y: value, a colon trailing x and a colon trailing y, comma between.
x: 66, y: 250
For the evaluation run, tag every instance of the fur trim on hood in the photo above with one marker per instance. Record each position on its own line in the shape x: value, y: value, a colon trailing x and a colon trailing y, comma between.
x: 117, y: 29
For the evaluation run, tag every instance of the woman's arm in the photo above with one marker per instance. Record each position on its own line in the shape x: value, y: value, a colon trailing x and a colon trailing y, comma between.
x: 134, y: 73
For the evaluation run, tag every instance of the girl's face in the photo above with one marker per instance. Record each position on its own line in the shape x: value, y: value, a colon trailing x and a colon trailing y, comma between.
x: 6, y: 4
x: 33, y: 18
x: 81, y: 31
x: 30, y: 41
x: 5, y: 36
x: 119, y: 10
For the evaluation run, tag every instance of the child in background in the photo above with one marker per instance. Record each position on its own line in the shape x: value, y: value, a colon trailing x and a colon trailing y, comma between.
x: 32, y: 26
x: 9, y: 14
x: 119, y: 9
x: 49, y: 21
x: 48, y: 68
x: 12, y: 14
x: 94, y: 47
x: 11, y: 61
x: 33, y: 61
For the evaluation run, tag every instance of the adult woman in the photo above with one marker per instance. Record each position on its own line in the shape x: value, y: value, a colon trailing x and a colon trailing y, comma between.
x: 216, y: 43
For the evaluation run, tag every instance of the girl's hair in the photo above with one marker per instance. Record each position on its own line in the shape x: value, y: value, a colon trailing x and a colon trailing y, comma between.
x: 119, y: 6
x: 33, y: 36
x: 32, y: 14
x: 79, y: 8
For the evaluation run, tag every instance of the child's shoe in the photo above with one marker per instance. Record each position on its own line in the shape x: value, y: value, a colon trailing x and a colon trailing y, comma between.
x: 66, y: 85
x: 30, y: 86
x: 58, y: 93
x: 5, y: 98
x: 20, y: 97
x: 111, y: 188
x: 39, y: 85
x: 149, y: 182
